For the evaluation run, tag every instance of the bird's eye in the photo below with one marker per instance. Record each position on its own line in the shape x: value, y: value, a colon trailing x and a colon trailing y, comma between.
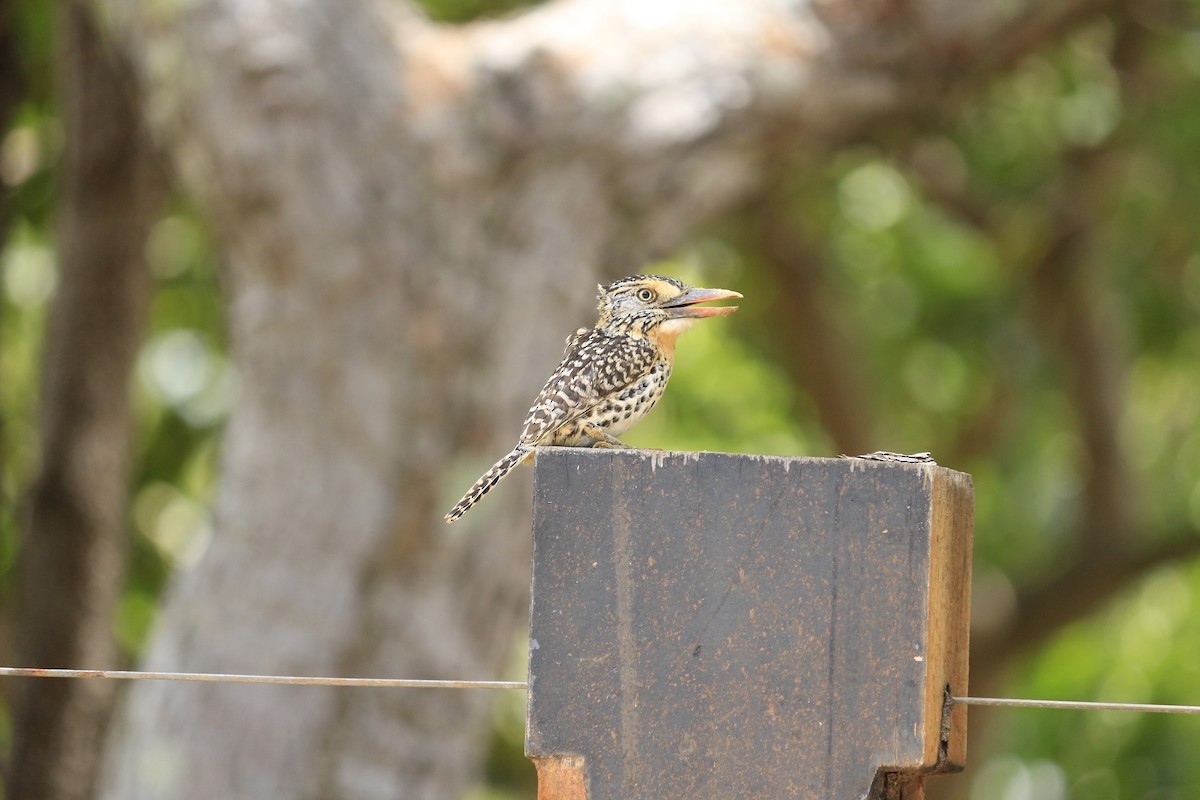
x: 645, y: 295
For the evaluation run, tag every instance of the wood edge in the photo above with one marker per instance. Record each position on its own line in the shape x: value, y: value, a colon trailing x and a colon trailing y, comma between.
x: 952, y: 508
x: 560, y: 777
x: 902, y: 785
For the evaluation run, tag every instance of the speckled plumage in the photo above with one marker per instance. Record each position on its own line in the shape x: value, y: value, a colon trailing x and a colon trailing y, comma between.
x: 611, y: 375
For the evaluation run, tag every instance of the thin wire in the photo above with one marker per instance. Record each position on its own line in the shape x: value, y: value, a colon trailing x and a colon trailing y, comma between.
x: 123, y: 675
x: 418, y: 683
x: 1080, y: 705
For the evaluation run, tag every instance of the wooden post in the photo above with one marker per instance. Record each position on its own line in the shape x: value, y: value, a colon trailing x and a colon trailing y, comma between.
x: 707, y: 625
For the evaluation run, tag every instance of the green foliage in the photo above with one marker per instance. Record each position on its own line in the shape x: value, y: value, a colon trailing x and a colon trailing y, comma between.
x: 183, y: 389
x: 460, y: 11
x: 1142, y: 650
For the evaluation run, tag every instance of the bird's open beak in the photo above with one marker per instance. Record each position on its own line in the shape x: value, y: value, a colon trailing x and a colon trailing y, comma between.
x: 685, y: 304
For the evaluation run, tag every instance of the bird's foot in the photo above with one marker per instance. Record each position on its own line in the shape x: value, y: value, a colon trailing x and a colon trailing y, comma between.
x: 607, y: 440
x: 604, y: 439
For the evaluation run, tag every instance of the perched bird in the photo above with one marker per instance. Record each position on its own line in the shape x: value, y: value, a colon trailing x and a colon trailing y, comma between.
x: 611, y: 375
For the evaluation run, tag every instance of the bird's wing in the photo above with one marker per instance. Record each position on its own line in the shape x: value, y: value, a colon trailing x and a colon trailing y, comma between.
x: 595, y: 367
x: 573, y: 340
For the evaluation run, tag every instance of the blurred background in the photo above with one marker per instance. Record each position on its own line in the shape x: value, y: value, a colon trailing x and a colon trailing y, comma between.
x: 1009, y: 280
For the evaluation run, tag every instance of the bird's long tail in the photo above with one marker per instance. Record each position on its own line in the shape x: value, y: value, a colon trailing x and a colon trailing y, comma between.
x: 488, y: 480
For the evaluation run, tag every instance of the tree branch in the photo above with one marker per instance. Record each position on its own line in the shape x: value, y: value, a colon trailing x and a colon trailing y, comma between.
x: 73, y: 552
x: 807, y: 341
x: 1090, y: 582
x: 13, y: 87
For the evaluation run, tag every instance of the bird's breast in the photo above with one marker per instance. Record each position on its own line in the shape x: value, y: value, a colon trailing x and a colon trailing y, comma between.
x: 628, y: 406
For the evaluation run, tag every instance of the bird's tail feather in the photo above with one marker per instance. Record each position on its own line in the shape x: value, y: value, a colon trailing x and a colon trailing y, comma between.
x: 488, y: 480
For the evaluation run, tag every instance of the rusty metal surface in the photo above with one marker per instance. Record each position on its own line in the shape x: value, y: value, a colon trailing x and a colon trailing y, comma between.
x: 725, y: 626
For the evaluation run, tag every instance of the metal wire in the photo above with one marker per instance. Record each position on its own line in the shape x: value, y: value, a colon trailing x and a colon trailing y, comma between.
x: 210, y: 677
x: 419, y: 683
x: 1080, y: 705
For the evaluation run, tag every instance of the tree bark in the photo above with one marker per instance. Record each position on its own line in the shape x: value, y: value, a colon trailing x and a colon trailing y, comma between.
x: 73, y: 552
x: 12, y: 90
x: 13, y: 86
x: 415, y: 216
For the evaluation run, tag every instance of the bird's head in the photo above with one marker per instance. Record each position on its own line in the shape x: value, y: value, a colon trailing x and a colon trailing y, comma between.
x: 654, y: 305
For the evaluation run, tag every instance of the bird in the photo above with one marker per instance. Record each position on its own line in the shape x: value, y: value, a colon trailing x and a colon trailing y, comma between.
x: 611, y: 375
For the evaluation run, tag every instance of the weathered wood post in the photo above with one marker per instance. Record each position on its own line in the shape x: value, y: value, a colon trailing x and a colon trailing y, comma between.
x: 707, y: 625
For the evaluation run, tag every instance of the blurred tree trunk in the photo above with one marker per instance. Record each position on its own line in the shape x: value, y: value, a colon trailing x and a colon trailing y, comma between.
x: 414, y: 217
x: 73, y: 551
x: 12, y: 92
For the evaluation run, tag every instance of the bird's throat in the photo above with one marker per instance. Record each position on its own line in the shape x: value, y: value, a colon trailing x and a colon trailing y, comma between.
x: 666, y: 333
